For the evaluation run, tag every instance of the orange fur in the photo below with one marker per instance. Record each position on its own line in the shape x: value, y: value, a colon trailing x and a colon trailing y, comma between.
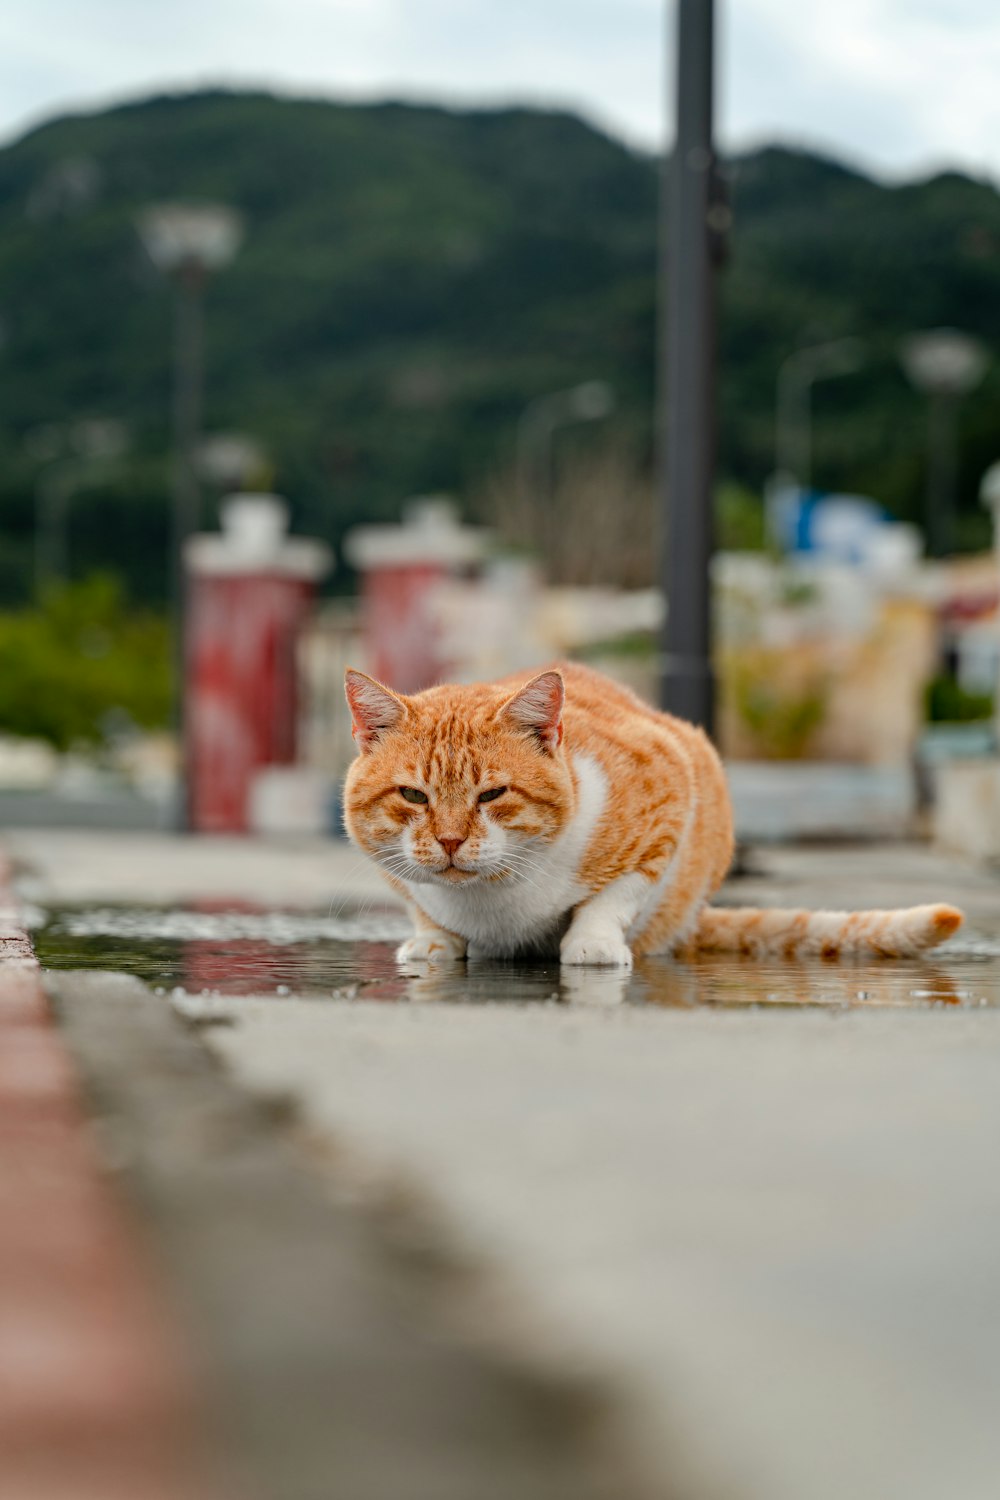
x: 648, y: 790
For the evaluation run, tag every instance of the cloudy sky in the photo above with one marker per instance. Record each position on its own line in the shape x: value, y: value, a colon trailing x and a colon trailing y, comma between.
x: 898, y: 86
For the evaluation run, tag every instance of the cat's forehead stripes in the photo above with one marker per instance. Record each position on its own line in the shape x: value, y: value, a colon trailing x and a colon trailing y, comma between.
x: 447, y: 761
x: 453, y: 746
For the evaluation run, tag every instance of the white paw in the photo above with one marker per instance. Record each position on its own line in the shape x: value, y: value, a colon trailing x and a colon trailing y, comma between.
x: 610, y: 951
x: 597, y: 987
x: 431, y: 948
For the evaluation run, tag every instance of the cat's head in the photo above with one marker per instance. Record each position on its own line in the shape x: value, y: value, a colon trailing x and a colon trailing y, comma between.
x: 457, y: 785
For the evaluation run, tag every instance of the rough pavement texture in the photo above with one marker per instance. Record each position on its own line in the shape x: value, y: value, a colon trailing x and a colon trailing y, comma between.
x: 776, y: 1232
x: 92, y: 1394
x: 780, y: 1230
x: 337, y: 1370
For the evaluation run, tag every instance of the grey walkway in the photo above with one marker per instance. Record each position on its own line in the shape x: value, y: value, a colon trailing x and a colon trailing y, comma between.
x: 64, y: 866
x: 782, y: 1231
x: 776, y: 1232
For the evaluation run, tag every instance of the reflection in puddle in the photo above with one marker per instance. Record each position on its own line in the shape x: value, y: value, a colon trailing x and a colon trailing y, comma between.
x: 230, y: 950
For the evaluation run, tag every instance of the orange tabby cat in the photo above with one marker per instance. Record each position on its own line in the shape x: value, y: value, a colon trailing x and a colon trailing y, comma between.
x: 563, y: 814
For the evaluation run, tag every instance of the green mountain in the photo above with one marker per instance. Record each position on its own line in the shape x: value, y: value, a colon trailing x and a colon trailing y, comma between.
x: 411, y: 276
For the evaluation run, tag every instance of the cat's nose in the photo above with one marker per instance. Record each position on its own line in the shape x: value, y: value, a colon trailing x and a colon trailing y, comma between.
x: 450, y: 845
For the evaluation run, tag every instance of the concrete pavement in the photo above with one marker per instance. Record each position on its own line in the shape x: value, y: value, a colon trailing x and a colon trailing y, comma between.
x: 67, y: 866
x: 326, y: 1338
x: 780, y: 1231
x: 96, y: 1402
x: 278, y: 1344
x: 767, y: 1236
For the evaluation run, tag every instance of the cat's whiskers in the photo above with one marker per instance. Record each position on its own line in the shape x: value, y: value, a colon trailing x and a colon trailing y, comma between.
x: 405, y: 868
x: 336, y: 907
x: 519, y: 865
x: 402, y: 866
x: 520, y: 856
x: 366, y: 905
x: 511, y: 863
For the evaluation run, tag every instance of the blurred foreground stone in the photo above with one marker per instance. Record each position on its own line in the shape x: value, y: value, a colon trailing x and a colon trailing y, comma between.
x: 95, y: 1400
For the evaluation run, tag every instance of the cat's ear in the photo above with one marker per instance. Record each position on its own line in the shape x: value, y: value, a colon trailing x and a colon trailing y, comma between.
x: 374, y: 709
x: 537, y: 709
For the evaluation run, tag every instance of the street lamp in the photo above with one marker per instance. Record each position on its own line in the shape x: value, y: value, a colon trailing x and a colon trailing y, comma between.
x: 232, y: 461
x: 186, y: 242
x: 69, y: 456
x: 793, y: 408
x: 539, y: 421
x: 945, y: 365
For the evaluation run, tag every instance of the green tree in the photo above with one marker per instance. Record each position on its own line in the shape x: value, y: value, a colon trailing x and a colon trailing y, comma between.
x: 81, y: 663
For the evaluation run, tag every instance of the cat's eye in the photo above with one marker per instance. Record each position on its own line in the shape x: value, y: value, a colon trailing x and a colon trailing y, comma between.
x: 491, y: 796
x: 410, y: 794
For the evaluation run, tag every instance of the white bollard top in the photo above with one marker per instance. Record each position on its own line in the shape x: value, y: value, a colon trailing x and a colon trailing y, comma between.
x: 431, y: 533
x: 989, y: 488
x: 254, y: 539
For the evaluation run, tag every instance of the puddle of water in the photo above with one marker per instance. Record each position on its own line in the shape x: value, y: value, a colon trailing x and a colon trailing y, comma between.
x: 198, y: 954
x: 227, y: 951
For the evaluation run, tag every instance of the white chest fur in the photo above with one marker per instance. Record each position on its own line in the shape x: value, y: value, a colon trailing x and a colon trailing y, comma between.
x: 528, y: 908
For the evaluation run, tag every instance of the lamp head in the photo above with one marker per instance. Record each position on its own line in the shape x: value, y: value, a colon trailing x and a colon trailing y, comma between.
x: 182, y: 237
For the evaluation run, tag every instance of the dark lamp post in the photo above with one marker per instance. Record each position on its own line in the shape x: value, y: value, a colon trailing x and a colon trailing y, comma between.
x: 187, y: 242
x: 697, y: 222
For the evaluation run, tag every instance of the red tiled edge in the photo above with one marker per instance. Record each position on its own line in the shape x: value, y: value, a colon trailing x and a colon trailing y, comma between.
x: 94, y: 1404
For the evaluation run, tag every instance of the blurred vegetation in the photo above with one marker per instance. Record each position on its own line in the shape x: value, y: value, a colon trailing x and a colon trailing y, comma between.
x: 81, y: 666
x: 412, y: 276
x: 739, y: 519
x: 781, y: 701
x: 634, y: 645
x: 596, y: 524
x: 947, y: 702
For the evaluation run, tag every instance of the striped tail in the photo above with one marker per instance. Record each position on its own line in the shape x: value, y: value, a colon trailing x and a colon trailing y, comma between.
x: 761, y: 933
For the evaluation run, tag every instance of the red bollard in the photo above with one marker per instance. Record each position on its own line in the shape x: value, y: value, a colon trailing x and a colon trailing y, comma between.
x: 401, y: 568
x: 250, y: 588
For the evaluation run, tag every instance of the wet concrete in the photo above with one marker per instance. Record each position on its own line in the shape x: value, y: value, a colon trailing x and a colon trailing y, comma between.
x: 198, y: 954
x: 313, y: 917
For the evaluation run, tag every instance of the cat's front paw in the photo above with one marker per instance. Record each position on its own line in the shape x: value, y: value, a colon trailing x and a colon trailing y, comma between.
x: 597, y: 950
x: 431, y: 948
